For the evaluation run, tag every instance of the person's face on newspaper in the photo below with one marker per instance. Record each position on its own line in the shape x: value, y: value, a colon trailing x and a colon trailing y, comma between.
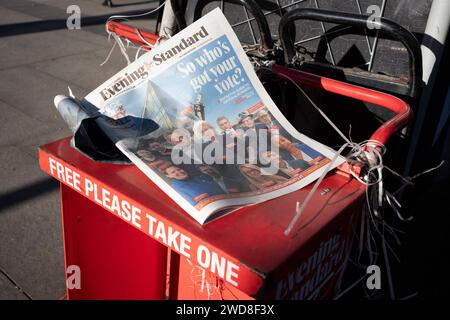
x: 272, y: 157
x: 156, y: 146
x: 251, y: 172
x: 168, y: 138
x: 248, y: 122
x: 265, y: 119
x: 178, y: 138
x: 281, y: 142
x: 176, y: 173
x: 208, y: 133
x: 146, y: 155
x: 224, y: 124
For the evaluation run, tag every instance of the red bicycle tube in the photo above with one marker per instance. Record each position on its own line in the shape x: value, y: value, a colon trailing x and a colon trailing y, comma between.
x: 382, y: 134
x: 131, y: 33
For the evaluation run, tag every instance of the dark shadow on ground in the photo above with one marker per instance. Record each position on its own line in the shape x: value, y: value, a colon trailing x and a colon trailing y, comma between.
x: 27, y: 192
x: 15, y: 29
x: 114, y: 4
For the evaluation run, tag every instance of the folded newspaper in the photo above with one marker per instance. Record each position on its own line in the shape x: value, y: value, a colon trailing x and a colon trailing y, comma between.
x: 194, y: 117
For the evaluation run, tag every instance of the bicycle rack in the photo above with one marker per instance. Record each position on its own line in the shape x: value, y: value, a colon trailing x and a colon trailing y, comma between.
x: 401, y: 109
x: 253, y: 8
x: 360, y: 23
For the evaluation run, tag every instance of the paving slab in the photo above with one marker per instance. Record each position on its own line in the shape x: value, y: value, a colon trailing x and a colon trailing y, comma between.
x: 30, y: 146
x: 32, y: 92
x: 53, y: 14
x: 29, y: 48
x: 46, y: 9
x: 8, y: 291
x: 18, y: 126
x: 78, y: 69
x: 12, y: 16
x: 30, y: 226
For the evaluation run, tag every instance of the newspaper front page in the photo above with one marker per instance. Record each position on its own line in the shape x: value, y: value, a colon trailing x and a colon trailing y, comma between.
x: 220, y: 141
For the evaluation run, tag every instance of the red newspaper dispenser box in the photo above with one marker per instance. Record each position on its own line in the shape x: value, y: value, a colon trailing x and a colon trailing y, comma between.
x: 131, y: 241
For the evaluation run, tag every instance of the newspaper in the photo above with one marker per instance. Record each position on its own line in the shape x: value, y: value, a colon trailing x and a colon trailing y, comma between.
x: 216, y: 141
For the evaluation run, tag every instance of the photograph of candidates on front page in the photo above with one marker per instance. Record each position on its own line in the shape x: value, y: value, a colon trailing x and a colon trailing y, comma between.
x: 221, y: 142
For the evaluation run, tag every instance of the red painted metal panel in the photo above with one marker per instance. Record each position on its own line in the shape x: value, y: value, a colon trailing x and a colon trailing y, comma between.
x: 316, y: 270
x: 196, y: 283
x: 115, y: 261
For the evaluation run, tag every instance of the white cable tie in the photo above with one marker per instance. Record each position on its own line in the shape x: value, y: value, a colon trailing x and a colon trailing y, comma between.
x: 300, y: 210
x: 71, y: 93
x: 117, y: 38
x: 109, y: 54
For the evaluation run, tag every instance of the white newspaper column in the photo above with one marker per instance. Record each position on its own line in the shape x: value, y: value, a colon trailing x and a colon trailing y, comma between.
x: 168, y: 23
x: 432, y: 49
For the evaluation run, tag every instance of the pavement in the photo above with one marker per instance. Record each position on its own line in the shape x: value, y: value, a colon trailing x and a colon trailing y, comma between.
x: 39, y: 59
